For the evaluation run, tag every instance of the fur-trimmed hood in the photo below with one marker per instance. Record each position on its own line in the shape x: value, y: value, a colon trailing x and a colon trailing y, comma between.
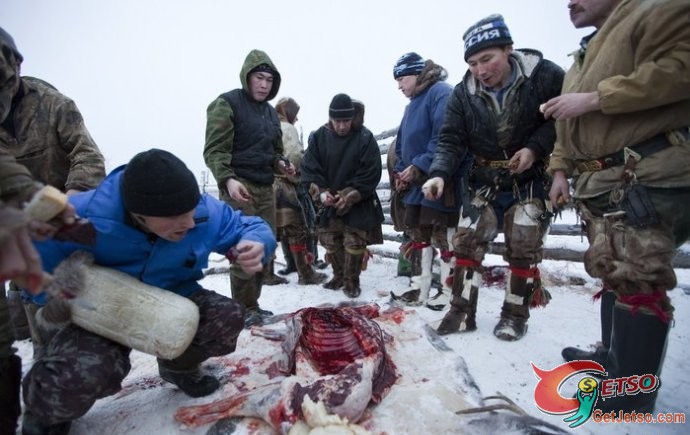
x: 431, y: 74
x: 357, y: 120
x: 525, y: 59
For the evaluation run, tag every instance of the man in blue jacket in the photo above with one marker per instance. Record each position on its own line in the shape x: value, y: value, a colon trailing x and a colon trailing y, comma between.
x: 428, y: 222
x: 152, y: 224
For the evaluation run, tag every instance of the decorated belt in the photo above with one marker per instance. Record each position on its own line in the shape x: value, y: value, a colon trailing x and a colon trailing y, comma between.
x: 493, y: 164
x: 643, y: 149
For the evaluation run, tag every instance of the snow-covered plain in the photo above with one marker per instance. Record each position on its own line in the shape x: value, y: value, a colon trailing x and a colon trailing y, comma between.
x: 423, y: 401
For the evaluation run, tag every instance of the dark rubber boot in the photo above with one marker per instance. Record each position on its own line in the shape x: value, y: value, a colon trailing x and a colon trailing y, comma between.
x: 289, y: 262
x: 246, y: 290
x: 353, y: 267
x: 313, y: 246
x: 337, y: 262
x: 305, y: 271
x: 270, y: 278
x: 191, y: 381
x: 10, y: 380
x: 608, y: 300
x: 638, y: 347
x: 598, y: 355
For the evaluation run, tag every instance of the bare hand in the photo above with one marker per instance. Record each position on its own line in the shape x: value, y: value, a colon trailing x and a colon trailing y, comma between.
x: 327, y: 198
x: 433, y: 188
x: 400, y: 185
x: 559, y: 195
x: 346, y: 199
x: 18, y: 257
x: 409, y: 174
x: 249, y: 256
x: 237, y: 191
x: 521, y: 161
x: 569, y: 106
x: 44, y: 230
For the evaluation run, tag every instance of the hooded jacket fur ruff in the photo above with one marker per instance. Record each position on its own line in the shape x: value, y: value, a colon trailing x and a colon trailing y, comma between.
x: 417, y: 137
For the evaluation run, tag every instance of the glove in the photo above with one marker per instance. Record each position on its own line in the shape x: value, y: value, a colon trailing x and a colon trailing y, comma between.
x: 347, y: 198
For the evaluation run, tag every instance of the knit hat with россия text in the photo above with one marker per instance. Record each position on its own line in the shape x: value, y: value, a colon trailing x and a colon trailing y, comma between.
x: 485, y: 33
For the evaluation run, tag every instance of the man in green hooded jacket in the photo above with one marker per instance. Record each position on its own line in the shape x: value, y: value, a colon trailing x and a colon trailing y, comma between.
x: 243, y: 150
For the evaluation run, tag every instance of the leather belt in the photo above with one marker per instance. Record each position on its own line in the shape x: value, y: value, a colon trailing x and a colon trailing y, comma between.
x: 638, y: 151
x: 493, y: 164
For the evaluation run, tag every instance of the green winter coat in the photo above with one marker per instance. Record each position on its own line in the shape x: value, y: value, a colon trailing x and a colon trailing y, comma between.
x: 639, y: 63
x: 221, y: 130
x: 46, y: 133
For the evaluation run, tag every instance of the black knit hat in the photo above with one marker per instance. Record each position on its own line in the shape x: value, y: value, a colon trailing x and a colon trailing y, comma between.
x: 341, y: 107
x: 487, y: 32
x: 264, y: 67
x: 409, y: 64
x: 156, y: 183
x: 6, y: 40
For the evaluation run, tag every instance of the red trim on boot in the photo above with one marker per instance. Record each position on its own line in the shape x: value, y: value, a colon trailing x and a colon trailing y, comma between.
x: 446, y: 255
x: 539, y: 296
x: 520, y: 272
x: 298, y: 248
x: 308, y: 256
x: 365, y: 258
x: 406, y: 248
x: 652, y: 302
x: 605, y: 288
x: 420, y: 245
x: 466, y: 262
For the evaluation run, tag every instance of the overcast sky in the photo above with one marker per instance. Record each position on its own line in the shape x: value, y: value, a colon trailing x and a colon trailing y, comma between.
x: 143, y: 71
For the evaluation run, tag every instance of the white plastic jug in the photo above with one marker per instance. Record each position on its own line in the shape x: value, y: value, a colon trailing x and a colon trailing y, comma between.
x: 123, y: 309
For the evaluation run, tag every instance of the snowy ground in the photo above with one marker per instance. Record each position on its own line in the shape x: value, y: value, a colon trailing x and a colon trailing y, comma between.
x: 146, y: 405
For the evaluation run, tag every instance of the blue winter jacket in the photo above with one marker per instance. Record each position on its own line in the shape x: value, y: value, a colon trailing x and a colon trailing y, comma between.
x: 418, y: 137
x: 175, y: 266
